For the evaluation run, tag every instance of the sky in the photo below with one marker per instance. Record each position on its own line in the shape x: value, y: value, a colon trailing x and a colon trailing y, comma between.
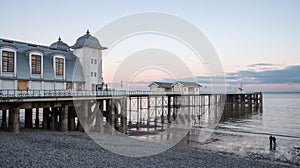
x: 257, y: 41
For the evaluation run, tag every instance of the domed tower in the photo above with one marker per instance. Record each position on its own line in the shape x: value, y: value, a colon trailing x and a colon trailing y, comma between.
x: 60, y: 45
x: 89, y: 51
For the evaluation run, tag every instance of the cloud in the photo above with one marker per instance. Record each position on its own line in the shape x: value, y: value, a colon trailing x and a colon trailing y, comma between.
x: 287, y: 75
x: 262, y: 64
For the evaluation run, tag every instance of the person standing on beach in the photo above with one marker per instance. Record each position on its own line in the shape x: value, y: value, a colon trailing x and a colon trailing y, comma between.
x: 274, y: 141
x: 271, y: 139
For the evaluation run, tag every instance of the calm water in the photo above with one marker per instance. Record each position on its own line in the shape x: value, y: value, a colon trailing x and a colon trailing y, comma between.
x: 281, y: 115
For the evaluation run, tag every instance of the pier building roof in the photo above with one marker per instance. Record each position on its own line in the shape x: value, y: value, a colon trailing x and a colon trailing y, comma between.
x: 60, y: 45
x: 162, y: 84
x: 187, y: 84
x: 88, y: 40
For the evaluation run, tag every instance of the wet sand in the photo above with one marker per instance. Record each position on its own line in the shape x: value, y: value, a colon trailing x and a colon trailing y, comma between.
x: 43, y: 148
x: 248, y: 145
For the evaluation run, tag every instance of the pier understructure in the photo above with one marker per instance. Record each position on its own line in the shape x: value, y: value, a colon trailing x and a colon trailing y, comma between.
x: 123, y: 111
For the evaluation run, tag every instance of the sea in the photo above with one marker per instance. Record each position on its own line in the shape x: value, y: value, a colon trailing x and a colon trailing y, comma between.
x: 280, y: 116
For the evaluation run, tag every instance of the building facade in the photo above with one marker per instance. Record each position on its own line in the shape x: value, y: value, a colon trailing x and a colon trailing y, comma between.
x: 25, y: 66
x: 186, y: 87
x: 178, y: 87
x: 161, y: 87
x: 89, y: 52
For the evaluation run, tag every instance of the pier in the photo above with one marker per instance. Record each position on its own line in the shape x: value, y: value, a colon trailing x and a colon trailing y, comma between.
x: 68, y: 110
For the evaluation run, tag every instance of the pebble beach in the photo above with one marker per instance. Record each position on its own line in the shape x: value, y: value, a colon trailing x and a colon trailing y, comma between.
x: 44, y: 148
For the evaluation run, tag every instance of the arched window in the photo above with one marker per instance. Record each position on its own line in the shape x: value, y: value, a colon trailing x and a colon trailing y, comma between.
x: 36, y: 63
x: 8, y: 60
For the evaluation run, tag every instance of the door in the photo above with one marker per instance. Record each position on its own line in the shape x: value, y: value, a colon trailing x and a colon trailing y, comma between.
x: 93, y: 87
x: 22, y: 85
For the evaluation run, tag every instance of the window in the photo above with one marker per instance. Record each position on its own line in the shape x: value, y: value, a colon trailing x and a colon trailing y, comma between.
x: 91, y: 73
x: 8, y: 61
x: 95, y: 74
x: 93, y: 61
x: 68, y: 85
x: 59, y: 66
x: 78, y: 86
x: 35, y: 64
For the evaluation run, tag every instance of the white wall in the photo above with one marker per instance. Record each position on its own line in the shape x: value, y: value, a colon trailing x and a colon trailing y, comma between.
x: 36, y: 85
x: 85, y: 55
x: 48, y: 85
x: 8, y: 84
x: 59, y: 85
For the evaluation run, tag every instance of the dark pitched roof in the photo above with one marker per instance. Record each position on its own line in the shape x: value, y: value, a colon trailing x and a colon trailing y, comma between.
x: 188, y: 84
x: 163, y: 84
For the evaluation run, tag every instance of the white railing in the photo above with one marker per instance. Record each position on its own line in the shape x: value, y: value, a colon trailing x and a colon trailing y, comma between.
x: 75, y: 93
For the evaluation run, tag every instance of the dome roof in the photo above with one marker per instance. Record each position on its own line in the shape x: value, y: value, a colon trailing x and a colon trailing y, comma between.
x: 87, y: 40
x: 60, y: 45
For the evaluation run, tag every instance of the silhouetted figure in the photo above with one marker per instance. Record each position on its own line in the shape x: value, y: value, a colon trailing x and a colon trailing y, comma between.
x: 271, y: 139
x: 274, y: 141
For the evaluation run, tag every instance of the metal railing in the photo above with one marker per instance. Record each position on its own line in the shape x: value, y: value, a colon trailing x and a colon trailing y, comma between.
x: 6, y: 93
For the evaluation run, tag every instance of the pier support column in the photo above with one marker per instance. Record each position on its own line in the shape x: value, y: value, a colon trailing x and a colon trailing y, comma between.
x: 37, y: 120
x: 148, y: 111
x: 162, y: 118
x: 138, y: 118
x: 4, y: 124
x: 99, y: 116
x: 46, y: 121
x: 83, y: 117
x: 64, y: 118
x: 28, y: 118
x: 116, y: 114
x: 53, y: 120
x: 129, y: 122
x: 123, y: 115
x: 71, y: 119
x: 14, y: 120
x: 111, y: 116
x: 169, y: 110
x: 243, y: 103
x: 260, y: 102
x: 255, y: 101
x: 155, y: 115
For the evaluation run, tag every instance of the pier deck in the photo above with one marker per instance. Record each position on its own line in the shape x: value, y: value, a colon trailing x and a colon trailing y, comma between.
x: 93, y: 110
